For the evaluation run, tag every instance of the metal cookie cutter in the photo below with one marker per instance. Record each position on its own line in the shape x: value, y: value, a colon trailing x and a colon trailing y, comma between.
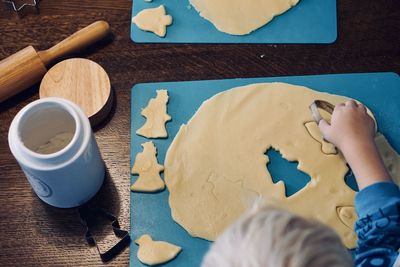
x: 86, y: 214
x: 320, y: 104
x: 33, y: 3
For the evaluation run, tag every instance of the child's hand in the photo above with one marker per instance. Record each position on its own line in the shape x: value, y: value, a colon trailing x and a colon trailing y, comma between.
x: 350, y: 124
x: 352, y: 130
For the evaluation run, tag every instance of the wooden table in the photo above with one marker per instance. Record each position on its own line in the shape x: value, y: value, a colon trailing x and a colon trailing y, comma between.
x: 35, y: 234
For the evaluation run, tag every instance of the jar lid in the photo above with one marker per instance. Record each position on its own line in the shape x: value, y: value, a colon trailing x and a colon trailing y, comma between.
x: 83, y: 82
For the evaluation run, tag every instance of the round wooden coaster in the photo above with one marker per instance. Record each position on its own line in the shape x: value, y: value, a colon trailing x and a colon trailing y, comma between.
x: 82, y: 81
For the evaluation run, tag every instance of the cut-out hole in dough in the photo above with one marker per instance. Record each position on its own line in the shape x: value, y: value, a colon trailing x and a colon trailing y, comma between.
x: 351, y: 180
x: 283, y: 170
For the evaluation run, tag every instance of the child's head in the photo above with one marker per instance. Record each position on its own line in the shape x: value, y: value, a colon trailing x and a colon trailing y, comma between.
x: 272, y: 237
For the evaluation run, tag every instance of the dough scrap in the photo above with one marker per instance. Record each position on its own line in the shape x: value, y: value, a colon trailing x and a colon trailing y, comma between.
x: 239, y: 17
x: 222, y: 147
x: 154, y: 20
x: 313, y: 130
x: 147, y: 167
x: 156, y: 116
x: 155, y: 252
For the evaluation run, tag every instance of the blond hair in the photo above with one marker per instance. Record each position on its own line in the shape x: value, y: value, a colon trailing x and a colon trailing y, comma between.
x: 271, y: 237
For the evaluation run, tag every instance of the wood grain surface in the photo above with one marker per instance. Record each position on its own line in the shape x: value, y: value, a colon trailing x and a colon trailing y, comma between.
x: 26, y: 67
x: 35, y: 234
x: 82, y: 81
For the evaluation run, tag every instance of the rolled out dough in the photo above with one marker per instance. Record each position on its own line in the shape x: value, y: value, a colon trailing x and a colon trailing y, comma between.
x: 217, y: 160
x: 240, y: 17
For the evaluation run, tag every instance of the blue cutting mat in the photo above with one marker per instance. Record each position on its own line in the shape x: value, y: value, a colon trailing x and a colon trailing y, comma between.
x: 150, y: 213
x: 311, y: 21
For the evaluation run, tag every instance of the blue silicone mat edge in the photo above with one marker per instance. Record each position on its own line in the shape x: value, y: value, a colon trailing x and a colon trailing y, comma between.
x: 150, y: 213
x: 310, y: 21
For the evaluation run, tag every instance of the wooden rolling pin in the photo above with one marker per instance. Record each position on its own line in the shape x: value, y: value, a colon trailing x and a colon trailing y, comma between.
x: 27, y: 67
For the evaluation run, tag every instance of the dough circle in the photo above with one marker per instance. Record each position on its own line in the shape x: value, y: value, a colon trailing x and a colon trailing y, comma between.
x: 240, y: 17
x: 217, y: 162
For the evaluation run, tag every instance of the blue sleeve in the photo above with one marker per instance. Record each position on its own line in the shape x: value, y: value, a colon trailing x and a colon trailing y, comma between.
x: 378, y: 225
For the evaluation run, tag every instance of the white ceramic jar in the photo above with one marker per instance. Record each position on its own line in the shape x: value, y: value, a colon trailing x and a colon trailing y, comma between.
x: 73, y: 172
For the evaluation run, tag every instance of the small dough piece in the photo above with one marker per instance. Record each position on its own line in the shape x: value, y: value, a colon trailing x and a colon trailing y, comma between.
x: 147, y: 167
x: 240, y: 17
x: 153, y: 20
x: 313, y: 130
x: 156, y: 115
x: 390, y: 157
x: 155, y: 252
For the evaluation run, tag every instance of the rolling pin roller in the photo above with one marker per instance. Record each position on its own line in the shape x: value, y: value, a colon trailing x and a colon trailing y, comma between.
x: 26, y: 67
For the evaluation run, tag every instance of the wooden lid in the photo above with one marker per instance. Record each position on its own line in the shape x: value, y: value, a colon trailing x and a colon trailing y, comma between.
x: 83, y: 82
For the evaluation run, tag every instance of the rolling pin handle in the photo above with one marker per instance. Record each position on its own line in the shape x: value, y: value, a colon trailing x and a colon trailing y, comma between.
x: 77, y: 41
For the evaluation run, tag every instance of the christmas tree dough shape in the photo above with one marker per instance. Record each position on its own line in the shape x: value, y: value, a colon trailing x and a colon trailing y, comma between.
x: 156, y: 117
x: 147, y: 167
x: 153, y: 20
x: 239, y: 17
x: 217, y: 160
x: 155, y: 252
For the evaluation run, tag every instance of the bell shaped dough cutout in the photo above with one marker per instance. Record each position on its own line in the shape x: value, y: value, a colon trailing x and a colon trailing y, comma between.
x: 153, y: 20
x: 156, y: 117
x: 147, y: 167
x: 313, y: 130
x: 212, y: 171
x: 155, y: 252
x: 240, y: 17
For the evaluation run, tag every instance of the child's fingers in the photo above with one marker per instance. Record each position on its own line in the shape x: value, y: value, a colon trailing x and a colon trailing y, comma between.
x: 339, y: 107
x: 362, y: 107
x: 325, y: 128
x: 351, y: 103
